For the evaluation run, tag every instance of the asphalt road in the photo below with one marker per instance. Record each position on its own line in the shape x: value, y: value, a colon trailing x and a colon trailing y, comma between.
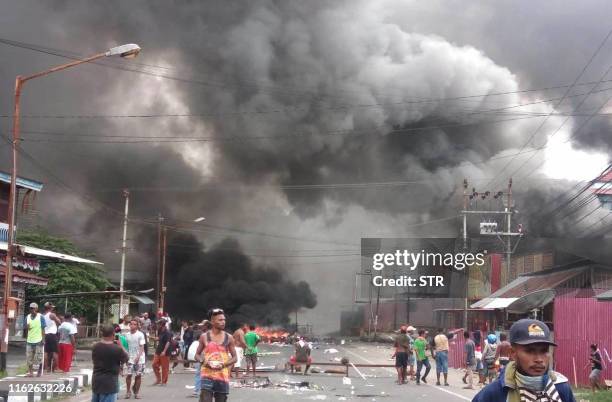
x: 378, y: 383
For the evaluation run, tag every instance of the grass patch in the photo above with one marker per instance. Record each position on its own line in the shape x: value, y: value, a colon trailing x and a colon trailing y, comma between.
x: 23, y: 369
x: 587, y: 395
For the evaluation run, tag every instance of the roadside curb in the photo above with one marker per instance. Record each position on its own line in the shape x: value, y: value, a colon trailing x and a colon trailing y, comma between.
x: 27, y: 389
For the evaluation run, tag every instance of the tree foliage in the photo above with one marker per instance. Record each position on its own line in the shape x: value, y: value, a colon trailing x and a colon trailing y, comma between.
x: 65, y: 277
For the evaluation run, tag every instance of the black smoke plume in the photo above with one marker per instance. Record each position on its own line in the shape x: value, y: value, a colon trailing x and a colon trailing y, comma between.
x: 223, y: 276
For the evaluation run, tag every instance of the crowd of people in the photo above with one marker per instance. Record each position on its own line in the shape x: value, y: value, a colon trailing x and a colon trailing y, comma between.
x: 411, y: 348
x: 50, y: 340
x: 515, y: 366
x: 213, y: 351
x: 518, y: 364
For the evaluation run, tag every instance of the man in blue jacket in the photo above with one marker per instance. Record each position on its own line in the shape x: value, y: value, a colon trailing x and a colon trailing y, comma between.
x: 528, y: 377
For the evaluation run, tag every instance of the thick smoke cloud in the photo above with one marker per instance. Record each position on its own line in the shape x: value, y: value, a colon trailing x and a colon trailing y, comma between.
x: 224, y: 276
x: 292, y: 93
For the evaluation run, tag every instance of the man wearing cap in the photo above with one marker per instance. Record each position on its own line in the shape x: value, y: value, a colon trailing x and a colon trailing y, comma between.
x: 51, y: 357
x: 34, y: 334
x: 529, y: 376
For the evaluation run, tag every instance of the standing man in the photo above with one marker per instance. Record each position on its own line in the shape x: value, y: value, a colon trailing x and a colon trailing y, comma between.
x: 240, y: 345
x: 529, y: 377
x: 107, y: 360
x: 199, y: 329
x: 441, y: 356
x: 596, y: 367
x: 136, y: 359
x: 503, y: 351
x: 51, y: 344
x: 420, y: 346
x: 187, y: 341
x: 402, y: 346
x: 251, y: 339
x: 469, y: 352
x: 146, y: 329
x: 411, y: 357
x: 67, y: 343
x: 161, y: 360
x: 489, y: 355
x: 217, y: 353
x: 35, y: 335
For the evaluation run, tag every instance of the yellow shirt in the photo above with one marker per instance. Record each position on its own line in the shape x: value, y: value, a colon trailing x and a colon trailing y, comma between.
x: 34, y: 329
x: 441, y: 342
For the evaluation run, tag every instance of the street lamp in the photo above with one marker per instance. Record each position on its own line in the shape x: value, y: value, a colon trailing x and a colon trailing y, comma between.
x: 162, y: 250
x: 127, y: 51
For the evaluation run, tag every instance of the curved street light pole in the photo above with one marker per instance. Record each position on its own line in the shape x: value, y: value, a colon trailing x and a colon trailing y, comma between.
x: 126, y: 51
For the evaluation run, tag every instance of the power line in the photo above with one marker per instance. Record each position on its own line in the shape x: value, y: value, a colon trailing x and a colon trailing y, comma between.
x: 65, y: 54
x: 532, y: 136
x: 340, y: 132
x: 575, y: 133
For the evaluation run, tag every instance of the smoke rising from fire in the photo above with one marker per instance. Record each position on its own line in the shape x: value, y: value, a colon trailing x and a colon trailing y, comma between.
x: 290, y: 93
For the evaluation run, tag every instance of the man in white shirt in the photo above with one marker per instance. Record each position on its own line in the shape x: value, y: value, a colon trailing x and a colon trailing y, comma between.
x: 51, y: 345
x: 136, y: 362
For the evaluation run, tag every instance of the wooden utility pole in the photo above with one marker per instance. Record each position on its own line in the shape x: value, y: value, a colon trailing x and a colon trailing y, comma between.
x: 160, y: 219
x: 465, y: 247
x: 163, y: 268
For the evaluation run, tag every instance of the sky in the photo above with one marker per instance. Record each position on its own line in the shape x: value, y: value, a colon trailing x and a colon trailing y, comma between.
x: 297, y: 128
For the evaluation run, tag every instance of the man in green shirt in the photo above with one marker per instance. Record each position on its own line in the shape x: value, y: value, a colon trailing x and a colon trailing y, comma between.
x: 420, y: 346
x: 251, y: 339
x: 34, y: 333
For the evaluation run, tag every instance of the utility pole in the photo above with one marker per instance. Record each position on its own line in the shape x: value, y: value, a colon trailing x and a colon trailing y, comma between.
x: 163, y: 269
x: 509, y: 209
x: 160, y: 220
x: 465, y: 247
x: 490, y: 227
x: 376, y: 317
x: 126, y: 194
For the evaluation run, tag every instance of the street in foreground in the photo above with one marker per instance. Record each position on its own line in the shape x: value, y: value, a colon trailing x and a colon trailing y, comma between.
x: 378, y: 383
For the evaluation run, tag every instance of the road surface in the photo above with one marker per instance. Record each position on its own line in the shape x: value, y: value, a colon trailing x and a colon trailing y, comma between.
x: 378, y: 383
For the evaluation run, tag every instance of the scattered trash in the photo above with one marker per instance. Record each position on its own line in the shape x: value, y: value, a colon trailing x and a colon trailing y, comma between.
x: 346, y: 381
x: 189, y: 386
x: 268, y: 353
x: 318, y: 397
x: 331, y: 351
x: 251, y: 382
x: 359, y: 372
x: 342, y: 342
x: 335, y: 371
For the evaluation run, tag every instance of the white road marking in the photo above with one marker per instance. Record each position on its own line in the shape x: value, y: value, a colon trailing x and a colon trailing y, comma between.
x: 393, y: 371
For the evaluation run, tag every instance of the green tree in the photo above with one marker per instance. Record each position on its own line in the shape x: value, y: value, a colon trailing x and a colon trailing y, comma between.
x: 65, y: 277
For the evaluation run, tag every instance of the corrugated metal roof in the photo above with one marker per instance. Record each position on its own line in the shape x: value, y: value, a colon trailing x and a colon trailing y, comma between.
x: 51, y: 254
x: 605, y: 295
x: 142, y: 299
x: 21, y: 182
x: 494, y: 302
x: 525, y: 285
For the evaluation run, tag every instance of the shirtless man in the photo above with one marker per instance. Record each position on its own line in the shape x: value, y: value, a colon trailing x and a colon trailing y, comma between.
x: 503, y: 351
x: 239, y: 345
